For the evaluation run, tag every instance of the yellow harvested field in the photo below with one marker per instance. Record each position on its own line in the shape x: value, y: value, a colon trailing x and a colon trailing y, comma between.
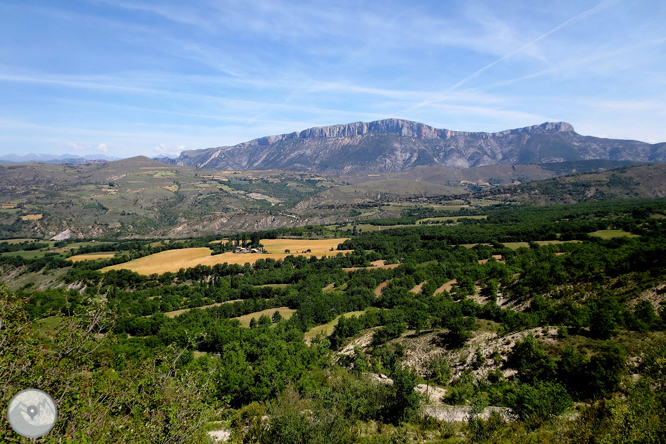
x: 285, y: 312
x: 318, y: 246
x: 31, y: 217
x: 91, y: 257
x: 174, y: 260
x: 327, y: 329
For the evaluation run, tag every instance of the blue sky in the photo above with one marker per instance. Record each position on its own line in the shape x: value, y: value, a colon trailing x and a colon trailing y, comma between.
x: 130, y: 77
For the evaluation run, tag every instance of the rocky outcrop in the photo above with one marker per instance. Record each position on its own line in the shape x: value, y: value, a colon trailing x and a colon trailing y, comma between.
x: 392, y: 145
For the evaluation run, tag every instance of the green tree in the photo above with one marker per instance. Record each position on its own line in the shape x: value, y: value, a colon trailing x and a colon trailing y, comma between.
x: 149, y: 400
x: 531, y: 360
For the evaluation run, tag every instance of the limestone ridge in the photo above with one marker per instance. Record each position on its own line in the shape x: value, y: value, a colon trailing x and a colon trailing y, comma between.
x: 393, y: 145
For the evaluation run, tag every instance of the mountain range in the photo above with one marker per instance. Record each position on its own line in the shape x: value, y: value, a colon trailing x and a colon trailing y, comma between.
x: 394, y: 145
x: 56, y: 158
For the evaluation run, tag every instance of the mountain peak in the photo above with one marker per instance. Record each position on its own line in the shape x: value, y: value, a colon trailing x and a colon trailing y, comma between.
x: 556, y: 126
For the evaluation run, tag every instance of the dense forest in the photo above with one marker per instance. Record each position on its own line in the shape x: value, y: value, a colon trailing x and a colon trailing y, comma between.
x: 533, y: 321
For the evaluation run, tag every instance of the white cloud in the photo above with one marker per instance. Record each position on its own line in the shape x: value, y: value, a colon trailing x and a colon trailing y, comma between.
x: 81, y: 147
x: 169, y: 150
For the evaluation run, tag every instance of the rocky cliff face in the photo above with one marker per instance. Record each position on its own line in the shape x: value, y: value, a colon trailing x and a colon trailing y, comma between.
x: 397, y: 145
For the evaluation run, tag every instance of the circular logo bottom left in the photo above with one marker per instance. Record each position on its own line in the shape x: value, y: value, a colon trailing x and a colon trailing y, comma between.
x: 32, y: 413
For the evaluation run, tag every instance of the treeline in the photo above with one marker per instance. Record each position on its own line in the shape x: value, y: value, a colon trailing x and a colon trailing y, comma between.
x: 6, y: 247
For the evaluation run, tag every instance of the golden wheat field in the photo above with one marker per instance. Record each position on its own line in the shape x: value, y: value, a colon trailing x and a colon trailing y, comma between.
x: 174, y: 260
x: 31, y: 217
x: 317, y: 247
x: 91, y: 257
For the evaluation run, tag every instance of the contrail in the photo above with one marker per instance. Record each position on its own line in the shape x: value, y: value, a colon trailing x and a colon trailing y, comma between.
x: 577, y: 17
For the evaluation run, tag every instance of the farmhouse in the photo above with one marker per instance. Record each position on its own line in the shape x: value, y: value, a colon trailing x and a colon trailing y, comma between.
x: 244, y: 250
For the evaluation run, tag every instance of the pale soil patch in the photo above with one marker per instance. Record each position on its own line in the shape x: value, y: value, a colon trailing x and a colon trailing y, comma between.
x: 91, y: 256
x: 284, y: 311
x: 481, y: 300
x: 381, y: 287
x: 317, y: 246
x: 433, y: 393
x: 259, y: 196
x: 222, y: 435
x: 327, y: 329
x: 446, y: 287
x: 418, y: 288
x: 497, y: 257
x: 656, y: 296
x: 361, y: 342
x: 31, y: 217
x: 421, y: 349
x: 460, y: 413
x: 375, y: 264
x: 174, y: 260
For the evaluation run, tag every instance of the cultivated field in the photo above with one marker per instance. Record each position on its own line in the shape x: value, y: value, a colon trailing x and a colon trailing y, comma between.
x: 317, y: 247
x: 174, y: 260
x: 610, y: 234
x: 91, y: 256
x: 285, y: 312
x: 31, y: 217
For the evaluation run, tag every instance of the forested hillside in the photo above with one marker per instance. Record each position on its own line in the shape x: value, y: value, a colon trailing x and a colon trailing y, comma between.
x: 529, y: 324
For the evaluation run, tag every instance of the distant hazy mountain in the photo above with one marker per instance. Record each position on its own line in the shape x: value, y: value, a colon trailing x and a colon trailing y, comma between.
x: 394, y: 145
x: 55, y: 158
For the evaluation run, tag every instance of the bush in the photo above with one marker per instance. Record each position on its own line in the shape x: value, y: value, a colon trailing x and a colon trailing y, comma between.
x: 539, y: 402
